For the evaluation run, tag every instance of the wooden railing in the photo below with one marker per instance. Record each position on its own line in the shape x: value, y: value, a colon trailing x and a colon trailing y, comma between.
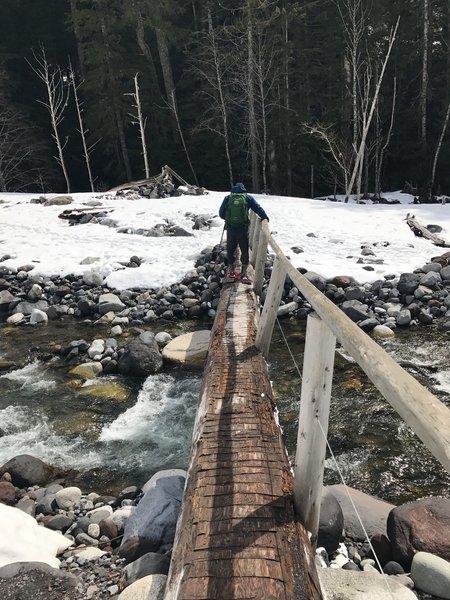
x: 427, y: 416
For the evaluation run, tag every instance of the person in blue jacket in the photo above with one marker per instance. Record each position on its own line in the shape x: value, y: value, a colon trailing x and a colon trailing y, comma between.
x: 234, y: 210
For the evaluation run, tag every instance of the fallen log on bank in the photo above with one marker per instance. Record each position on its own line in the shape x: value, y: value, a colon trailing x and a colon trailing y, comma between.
x: 422, y: 231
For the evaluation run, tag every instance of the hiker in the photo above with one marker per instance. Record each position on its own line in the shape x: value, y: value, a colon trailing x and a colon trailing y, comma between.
x: 234, y: 210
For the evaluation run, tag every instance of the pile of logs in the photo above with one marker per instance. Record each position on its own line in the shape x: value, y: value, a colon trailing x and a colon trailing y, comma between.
x: 159, y: 186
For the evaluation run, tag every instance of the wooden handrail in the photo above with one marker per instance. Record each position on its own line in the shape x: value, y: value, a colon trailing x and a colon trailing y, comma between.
x: 427, y: 416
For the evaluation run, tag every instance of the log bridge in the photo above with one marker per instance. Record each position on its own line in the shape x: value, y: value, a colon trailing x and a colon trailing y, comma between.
x: 238, y: 535
x: 249, y: 523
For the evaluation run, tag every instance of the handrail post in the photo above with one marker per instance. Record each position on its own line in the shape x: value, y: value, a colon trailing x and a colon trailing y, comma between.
x: 271, y: 304
x: 260, y: 263
x: 255, y: 240
x: 318, y: 365
x: 251, y: 229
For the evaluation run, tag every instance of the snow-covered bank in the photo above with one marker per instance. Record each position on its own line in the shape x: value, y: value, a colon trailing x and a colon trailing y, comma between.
x: 329, y: 234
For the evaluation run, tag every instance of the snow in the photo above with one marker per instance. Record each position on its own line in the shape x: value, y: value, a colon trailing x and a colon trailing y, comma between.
x: 22, y: 539
x: 331, y: 235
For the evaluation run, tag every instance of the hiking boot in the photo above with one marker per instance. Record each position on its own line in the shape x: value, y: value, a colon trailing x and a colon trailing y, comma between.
x: 245, y: 279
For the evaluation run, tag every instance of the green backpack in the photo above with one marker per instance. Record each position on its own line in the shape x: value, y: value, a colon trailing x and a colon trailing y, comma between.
x: 236, y: 213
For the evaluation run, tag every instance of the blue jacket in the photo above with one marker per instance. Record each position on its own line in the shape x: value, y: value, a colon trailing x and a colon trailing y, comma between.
x: 251, y: 202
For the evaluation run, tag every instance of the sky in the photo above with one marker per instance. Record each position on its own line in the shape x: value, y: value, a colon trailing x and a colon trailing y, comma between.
x: 331, y: 235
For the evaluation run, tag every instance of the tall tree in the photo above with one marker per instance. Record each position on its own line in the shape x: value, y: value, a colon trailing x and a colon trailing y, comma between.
x: 57, y: 92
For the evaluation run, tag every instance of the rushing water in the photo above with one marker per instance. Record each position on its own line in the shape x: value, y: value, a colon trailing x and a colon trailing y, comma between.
x: 373, y: 448
x: 118, y: 431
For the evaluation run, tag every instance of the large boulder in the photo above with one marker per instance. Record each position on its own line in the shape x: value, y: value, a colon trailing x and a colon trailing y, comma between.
x: 431, y: 574
x: 373, y: 512
x: 151, y: 587
x: 151, y: 563
x: 189, y: 349
x: 26, y: 470
x: 153, y: 523
x: 420, y: 526
x: 331, y: 522
x: 141, y: 357
x: 340, y: 584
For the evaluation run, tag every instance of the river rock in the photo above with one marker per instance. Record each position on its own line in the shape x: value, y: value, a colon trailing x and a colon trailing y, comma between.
x: 373, y: 512
x: 59, y: 201
x: 340, y: 584
x: 408, y: 283
x: 7, y: 493
x: 331, y: 522
x: 152, y: 524
x: 403, y: 317
x: 68, y: 498
x: 151, y: 563
x: 38, y: 316
x: 110, y: 302
x: 27, y: 307
x: 15, y: 319
x: 431, y: 574
x: 445, y: 273
x: 87, y: 370
x: 5, y: 300
x: 420, y: 526
x: 26, y: 470
x: 93, y: 278
x: 148, y: 588
x: 355, y: 310
x: 188, y: 349
x: 383, y: 332
x: 141, y: 357
x: 432, y: 279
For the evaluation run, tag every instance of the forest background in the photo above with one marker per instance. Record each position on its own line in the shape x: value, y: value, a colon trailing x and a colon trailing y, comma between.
x: 292, y: 97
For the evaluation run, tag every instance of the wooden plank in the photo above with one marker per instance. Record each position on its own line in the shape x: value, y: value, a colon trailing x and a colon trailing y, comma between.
x: 315, y: 398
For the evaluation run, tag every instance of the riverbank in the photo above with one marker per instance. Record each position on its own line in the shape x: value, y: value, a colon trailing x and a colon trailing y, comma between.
x: 99, y: 547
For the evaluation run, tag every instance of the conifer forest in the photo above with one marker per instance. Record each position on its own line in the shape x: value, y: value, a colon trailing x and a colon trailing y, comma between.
x: 293, y: 97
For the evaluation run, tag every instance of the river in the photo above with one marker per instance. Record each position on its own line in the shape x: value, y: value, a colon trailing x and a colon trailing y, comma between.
x: 118, y: 431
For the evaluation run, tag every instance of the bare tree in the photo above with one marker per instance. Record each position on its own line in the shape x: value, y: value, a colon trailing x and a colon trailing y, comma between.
x: 56, y: 103
x: 381, y: 145
x: 354, y: 19
x: 341, y: 155
x: 180, y: 131
x: 367, y: 118
x: 138, y: 119
x: 19, y: 152
x: 211, y: 65
x: 424, y: 79
x: 438, y: 148
x: 87, y: 149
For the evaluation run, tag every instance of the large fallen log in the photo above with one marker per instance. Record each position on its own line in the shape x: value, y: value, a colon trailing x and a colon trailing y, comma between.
x: 422, y: 231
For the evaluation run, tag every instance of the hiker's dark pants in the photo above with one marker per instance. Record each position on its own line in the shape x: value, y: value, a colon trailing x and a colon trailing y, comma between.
x: 237, y: 236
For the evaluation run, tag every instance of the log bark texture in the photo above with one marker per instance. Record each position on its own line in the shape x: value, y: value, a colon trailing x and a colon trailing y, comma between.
x: 238, y: 535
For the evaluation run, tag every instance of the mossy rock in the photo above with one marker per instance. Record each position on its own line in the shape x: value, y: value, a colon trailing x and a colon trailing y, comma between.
x: 106, y: 390
x: 84, y: 423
